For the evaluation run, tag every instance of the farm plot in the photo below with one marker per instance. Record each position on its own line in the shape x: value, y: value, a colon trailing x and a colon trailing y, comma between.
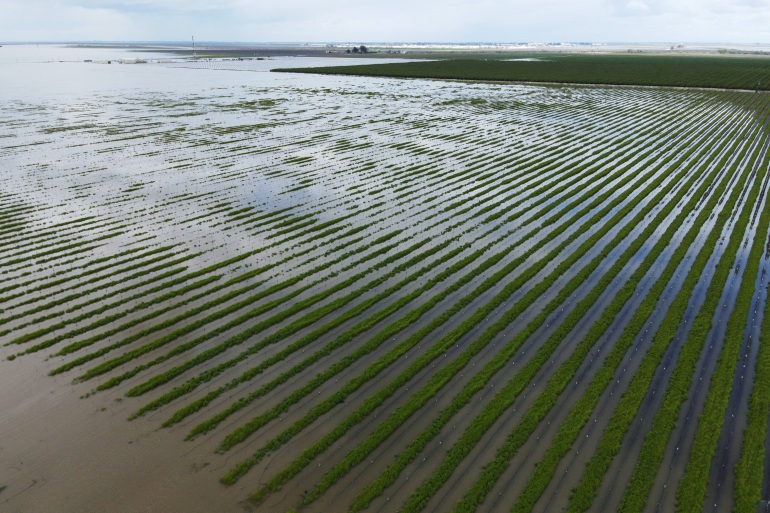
x: 363, y: 294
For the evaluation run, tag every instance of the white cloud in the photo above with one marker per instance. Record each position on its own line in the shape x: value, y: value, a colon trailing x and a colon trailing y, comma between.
x: 381, y: 20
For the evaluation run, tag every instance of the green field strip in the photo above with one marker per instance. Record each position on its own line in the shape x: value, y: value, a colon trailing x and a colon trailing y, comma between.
x: 482, y: 378
x: 565, y: 438
x: 85, y: 265
x: 750, y: 468
x: 229, y: 296
x: 692, y: 487
x: 302, y: 322
x: 162, y: 288
x: 164, y: 261
x: 220, y: 265
x: 427, y: 392
x: 480, y: 314
x: 67, y: 299
x: 657, y: 70
x: 528, y: 189
x: 728, y: 452
x: 544, y: 189
x: 343, y: 338
x: 304, y: 341
x: 679, y: 383
x: 28, y: 337
x: 518, y: 436
x: 115, y: 362
x: 514, y: 387
x: 75, y: 256
x: 24, y: 257
x: 625, y: 412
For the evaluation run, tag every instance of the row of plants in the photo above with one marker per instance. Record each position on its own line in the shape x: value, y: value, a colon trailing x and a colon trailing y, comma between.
x: 506, y: 397
x: 38, y: 257
x: 220, y: 314
x: 32, y: 286
x: 339, y: 340
x: 146, y: 267
x: 28, y: 337
x: 556, y: 384
x: 749, y: 470
x: 692, y: 487
x: 484, y: 311
x: 581, y: 412
x: 628, y: 405
x: 680, y: 382
x: 304, y: 321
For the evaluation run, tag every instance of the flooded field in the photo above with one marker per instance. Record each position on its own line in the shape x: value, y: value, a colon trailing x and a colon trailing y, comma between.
x: 225, y: 289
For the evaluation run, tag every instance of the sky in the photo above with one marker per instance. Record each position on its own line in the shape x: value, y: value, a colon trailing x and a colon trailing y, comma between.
x: 367, y: 21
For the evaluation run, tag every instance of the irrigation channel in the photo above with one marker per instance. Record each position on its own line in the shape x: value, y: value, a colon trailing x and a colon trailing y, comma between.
x: 332, y: 294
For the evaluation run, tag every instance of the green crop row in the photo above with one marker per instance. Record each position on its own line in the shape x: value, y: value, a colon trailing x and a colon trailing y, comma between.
x: 504, y: 398
x: 581, y: 413
x: 749, y: 471
x: 374, y: 342
x: 305, y: 320
x: 692, y: 487
x: 626, y: 410
x: 450, y: 339
x: 150, y: 294
x: 239, y: 320
x: 223, y: 299
x: 25, y: 258
x: 76, y: 346
x: 102, y: 321
x: 480, y: 488
x: 66, y: 299
x: 681, y: 378
x: 51, y: 246
x: 144, y: 252
x: 584, y: 68
x: 338, y: 342
x: 165, y: 340
x: 339, y: 365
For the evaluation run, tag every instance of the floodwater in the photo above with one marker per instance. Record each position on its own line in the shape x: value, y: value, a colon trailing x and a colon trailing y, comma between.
x: 213, y: 224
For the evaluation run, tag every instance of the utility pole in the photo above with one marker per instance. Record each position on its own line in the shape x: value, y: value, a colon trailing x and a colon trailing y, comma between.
x: 194, y: 56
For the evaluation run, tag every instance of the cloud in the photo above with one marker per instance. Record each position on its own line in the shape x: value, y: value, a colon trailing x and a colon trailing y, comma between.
x: 380, y: 20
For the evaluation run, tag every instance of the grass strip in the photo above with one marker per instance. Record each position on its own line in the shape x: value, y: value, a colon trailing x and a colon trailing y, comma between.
x: 749, y: 470
x: 545, y: 401
x: 512, y: 389
x: 692, y: 486
x: 583, y: 495
x: 339, y: 341
x: 446, y: 342
x: 303, y: 321
x: 255, y: 312
x: 680, y: 382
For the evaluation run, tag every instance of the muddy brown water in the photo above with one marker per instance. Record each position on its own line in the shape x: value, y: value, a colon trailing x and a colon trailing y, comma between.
x: 124, y: 143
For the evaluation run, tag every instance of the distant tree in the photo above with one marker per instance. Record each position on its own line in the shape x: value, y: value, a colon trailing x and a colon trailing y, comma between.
x: 347, y: 51
x: 355, y: 49
x: 363, y: 49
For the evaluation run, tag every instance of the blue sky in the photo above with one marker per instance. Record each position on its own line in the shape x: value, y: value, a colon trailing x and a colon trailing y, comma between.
x: 736, y: 21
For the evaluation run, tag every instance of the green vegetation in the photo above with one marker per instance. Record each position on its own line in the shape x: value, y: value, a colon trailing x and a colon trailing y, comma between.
x: 692, y: 487
x: 441, y: 294
x: 449, y: 370
x: 749, y: 471
x: 652, y: 70
x: 580, y: 415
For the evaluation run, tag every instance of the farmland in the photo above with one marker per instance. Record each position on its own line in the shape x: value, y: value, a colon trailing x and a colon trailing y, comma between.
x: 723, y: 72
x: 324, y: 293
